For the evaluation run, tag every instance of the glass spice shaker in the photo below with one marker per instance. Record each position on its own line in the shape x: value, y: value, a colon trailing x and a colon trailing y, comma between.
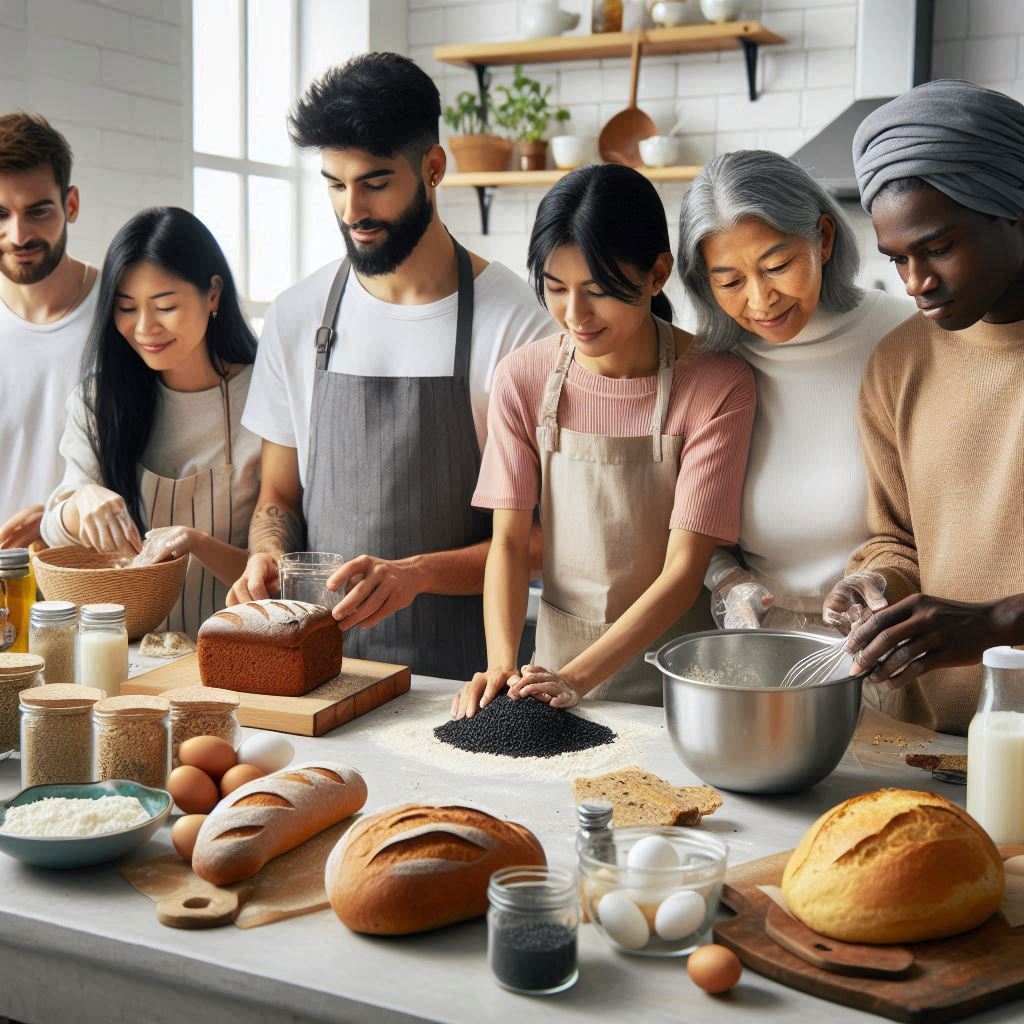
x: 17, y: 595
x: 132, y: 740
x: 594, y: 831
x: 202, y: 711
x: 103, y: 647
x: 18, y: 672
x: 531, y: 929
x: 52, y: 634
x: 56, y: 734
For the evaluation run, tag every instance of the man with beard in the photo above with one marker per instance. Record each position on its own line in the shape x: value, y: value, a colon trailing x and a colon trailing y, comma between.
x: 372, y: 380
x: 46, y: 304
x: 941, y: 171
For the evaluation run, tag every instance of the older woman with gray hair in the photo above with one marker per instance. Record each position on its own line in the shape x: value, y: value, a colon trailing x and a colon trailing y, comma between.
x: 770, y: 265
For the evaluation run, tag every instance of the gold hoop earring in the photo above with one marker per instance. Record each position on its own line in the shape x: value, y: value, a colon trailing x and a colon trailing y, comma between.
x: 434, y: 181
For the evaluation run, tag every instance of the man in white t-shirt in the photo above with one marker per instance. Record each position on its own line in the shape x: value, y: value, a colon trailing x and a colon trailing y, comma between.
x: 370, y: 388
x: 46, y: 304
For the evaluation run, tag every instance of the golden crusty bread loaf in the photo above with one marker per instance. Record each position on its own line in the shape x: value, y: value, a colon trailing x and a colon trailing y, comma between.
x: 270, y: 816
x: 418, y: 867
x: 895, y: 865
x: 279, y: 648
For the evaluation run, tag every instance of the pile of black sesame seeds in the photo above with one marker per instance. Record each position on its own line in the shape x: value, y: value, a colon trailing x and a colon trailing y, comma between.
x: 523, y: 728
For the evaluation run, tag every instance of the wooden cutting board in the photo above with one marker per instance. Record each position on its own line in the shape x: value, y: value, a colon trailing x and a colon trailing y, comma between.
x: 361, y: 687
x: 950, y: 978
x: 288, y: 886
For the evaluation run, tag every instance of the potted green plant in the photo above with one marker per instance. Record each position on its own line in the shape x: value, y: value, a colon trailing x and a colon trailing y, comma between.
x: 474, y: 148
x: 525, y: 113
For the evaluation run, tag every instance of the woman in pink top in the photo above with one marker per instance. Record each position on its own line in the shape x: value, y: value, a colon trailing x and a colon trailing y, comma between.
x: 632, y: 444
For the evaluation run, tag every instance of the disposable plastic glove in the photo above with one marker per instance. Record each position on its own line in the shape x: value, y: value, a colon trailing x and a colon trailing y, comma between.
x: 738, y: 601
x: 853, y: 598
x: 163, y: 544
x: 104, y: 523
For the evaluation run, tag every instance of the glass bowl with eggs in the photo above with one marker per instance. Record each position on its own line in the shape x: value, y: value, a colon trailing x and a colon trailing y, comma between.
x: 652, y: 891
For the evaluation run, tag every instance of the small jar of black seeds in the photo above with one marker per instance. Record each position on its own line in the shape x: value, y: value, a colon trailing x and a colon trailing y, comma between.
x: 531, y: 929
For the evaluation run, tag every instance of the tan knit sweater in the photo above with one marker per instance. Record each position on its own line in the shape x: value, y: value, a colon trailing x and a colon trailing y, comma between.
x: 942, y: 425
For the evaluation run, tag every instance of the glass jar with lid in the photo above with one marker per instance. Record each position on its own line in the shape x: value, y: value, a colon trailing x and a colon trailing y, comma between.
x: 304, y: 576
x: 52, y: 634
x: 202, y: 711
x: 17, y: 672
x: 102, y: 647
x: 17, y: 595
x: 531, y: 929
x: 132, y: 739
x: 56, y: 734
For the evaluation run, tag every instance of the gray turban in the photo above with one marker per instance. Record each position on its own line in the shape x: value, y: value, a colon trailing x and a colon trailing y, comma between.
x: 961, y: 139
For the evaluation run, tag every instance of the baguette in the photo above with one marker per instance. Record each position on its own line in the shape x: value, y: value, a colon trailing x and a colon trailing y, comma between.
x: 270, y: 816
x: 414, y: 867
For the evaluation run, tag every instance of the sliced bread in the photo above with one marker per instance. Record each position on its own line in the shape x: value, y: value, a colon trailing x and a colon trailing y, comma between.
x: 640, y: 798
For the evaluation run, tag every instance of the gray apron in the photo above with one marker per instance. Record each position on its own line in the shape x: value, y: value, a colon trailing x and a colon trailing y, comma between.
x: 392, y: 466
x: 606, y: 503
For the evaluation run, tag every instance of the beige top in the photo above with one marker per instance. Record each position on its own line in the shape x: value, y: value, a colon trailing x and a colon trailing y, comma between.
x: 942, y: 424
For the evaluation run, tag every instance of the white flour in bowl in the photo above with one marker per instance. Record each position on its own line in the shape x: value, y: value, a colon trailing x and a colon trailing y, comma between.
x: 408, y: 730
x: 60, y: 817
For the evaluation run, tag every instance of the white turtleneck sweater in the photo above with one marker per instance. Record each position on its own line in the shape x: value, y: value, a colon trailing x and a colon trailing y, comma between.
x: 805, y: 497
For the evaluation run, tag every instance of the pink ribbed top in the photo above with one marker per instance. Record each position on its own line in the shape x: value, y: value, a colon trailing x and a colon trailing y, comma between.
x: 711, y: 406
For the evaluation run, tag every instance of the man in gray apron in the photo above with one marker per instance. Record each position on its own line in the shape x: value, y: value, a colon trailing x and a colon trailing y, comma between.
x: 370, y: 387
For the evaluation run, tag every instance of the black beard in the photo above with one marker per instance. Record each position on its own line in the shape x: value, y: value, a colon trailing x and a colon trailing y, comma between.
x: 52, y: 255
x: 401, y: 237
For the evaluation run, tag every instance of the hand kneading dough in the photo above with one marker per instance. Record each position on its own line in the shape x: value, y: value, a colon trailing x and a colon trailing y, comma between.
x: 891, y: 866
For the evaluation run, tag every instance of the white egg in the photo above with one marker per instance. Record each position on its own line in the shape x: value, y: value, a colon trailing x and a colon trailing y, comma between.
x: 266, y: 751
x: 623, y: 920
x: 1014, y: 865
x: 680, y: 915
x: 653, y: 852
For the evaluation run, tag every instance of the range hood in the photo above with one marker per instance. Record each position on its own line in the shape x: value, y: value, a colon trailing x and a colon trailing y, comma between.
x: 894, y: 53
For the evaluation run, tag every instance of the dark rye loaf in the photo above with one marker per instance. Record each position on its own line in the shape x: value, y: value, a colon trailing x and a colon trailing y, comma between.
x: 280, y: 648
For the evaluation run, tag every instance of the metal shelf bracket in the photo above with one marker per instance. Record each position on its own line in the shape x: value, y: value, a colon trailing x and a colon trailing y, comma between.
x: 485, y: 196
x: 750, y: 59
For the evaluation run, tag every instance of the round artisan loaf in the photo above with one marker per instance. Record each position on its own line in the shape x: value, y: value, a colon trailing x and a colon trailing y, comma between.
x: 417, y: 867
x: 895, y: 865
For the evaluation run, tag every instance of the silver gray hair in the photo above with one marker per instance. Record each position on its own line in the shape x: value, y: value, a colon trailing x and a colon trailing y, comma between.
x: 761, y: 185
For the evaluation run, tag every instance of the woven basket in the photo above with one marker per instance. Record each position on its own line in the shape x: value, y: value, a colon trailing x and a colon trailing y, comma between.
x: 84, y: 576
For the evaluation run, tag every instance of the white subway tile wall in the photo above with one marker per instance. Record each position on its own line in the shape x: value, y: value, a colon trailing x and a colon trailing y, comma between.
x: 109, y: 74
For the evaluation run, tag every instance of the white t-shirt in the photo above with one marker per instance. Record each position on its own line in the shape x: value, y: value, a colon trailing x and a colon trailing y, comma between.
x: 805, y: 494
x: 382, y: 339
x: 40, y: 365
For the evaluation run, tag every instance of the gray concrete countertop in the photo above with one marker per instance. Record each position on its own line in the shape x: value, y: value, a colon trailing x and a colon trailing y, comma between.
x: 86, y: 947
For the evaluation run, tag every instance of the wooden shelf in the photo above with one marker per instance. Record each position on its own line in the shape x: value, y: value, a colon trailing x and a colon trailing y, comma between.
x: 527, y: 179
x: 654, y: 42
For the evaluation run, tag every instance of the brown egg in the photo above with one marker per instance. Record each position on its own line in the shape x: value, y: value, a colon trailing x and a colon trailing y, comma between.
x: 193, y: 790
x: 184, y: 833
x: 714, y: 968
x: 239, y: 776
x: 209, y: 754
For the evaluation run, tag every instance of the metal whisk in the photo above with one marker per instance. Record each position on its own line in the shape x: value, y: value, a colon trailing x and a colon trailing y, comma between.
x: 816, y: 667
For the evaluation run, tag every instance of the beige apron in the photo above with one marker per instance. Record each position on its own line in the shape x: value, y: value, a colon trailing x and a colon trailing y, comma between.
x: 606, y: 503
x: 203, y: 501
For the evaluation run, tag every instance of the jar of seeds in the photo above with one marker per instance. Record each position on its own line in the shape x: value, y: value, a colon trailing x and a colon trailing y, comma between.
x: 132, y: 740
x: 202, y: 711
x: 53, y: 631
x: 56, y: 735
x: 17, y: 672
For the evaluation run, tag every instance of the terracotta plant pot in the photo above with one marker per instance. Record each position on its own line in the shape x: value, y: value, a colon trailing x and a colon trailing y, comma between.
x: 484, y: 152
x: 533, y: 156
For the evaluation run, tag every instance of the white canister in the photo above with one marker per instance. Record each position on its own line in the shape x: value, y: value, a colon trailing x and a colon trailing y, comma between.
x: 570, y: 151
x: 102, y: 647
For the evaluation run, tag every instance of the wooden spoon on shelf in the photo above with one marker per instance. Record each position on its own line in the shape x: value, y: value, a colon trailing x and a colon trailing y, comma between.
x: 619, y: 142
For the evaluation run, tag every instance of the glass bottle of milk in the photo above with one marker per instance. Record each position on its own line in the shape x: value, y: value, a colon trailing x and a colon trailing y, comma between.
x: 102, y: 647
x: 995, y: 748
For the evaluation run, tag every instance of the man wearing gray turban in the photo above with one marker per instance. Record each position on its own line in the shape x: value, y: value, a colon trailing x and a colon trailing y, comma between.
x: 941, y: 171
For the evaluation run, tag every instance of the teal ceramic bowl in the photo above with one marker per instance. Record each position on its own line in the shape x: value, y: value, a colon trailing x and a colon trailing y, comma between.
x: 54, y: 852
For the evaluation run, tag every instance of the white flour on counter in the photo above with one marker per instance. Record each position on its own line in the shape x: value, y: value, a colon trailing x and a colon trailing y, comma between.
x: 409, y: 731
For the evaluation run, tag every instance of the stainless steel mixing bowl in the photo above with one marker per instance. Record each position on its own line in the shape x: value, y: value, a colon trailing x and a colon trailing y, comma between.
x: 743, y: 731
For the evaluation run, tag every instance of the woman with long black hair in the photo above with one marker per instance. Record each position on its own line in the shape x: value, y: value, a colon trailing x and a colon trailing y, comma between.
x: 154, y: 440
x: 633, y: 444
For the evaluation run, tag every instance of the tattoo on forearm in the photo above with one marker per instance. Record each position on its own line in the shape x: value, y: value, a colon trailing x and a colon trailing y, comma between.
x: 275, y: 531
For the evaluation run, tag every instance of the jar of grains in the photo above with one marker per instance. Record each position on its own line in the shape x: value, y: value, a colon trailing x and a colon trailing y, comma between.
x: 202, y: 711
x: 17, y: 672
x: 53, y: 630
x: 17, y: 595
x: 56, y: 735
x: 132, y: 740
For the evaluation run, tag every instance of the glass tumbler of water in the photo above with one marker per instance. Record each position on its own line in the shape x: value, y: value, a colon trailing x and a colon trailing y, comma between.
x: 304, y: 576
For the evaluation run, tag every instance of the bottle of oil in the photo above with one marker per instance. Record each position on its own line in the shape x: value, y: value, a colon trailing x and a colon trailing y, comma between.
x: 17, y: 595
